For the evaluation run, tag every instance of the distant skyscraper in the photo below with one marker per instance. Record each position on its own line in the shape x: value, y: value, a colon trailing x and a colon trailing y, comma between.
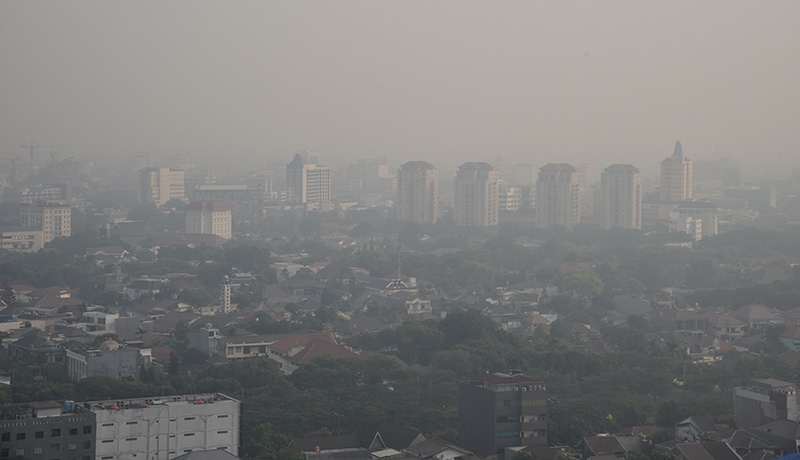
x: 621, y: 191
x: 475, y: 201
x: 558, y: 196
x: 159, y: 185
x: 676, y: 176
x: 307, y: 182
x: 212, y: 217
x: 418, y: 192
x: 53, y: 219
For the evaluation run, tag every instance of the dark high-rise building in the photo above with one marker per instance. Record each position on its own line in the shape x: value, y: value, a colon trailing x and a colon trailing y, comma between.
x: 47, y: 431
x: 496, y: 411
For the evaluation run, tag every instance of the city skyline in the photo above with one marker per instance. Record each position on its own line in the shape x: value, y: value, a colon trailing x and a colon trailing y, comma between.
x: 610, y: 83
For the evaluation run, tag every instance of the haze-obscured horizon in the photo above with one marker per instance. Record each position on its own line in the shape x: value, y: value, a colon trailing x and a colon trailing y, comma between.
x: 538, y: 82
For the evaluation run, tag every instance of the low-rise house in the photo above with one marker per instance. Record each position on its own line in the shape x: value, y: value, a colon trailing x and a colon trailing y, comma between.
x: 110, y: 359
x: 706, y: 451
x: 695, y: 428
x: 607, y: 445
x: 144, y: 287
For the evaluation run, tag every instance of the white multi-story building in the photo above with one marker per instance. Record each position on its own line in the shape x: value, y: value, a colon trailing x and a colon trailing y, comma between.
x: 418, y: 192
x: 162, y: 428
x: 558, y: 196
x: 21, y: 239
x: 307, y: 183
x: 705, y: 211
x: 210, y: 217
x: 676, y: 176
x: 621, y: 192
x: 159, y: 185
x: 509, y: 198
x: 55, y: 220
x: 475, y: 201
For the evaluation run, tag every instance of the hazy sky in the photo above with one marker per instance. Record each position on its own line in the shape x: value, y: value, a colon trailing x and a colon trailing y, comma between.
x: 536, y: 81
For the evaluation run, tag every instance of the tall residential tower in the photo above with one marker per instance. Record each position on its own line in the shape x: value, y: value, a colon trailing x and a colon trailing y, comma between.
x: 621, y: 192
x: 558, y: 196
x: 418, y: 192
x: 307, y: 182
x: 475, y: 202
x: 676, y: 176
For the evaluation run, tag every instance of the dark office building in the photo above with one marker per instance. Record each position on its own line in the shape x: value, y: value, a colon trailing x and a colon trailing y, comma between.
x: 47, y: 431
x: 496, y: 411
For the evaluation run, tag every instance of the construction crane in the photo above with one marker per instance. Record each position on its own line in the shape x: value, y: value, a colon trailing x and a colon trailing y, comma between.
x: 32, y: 148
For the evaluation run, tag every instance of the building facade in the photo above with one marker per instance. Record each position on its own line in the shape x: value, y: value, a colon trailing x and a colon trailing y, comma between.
x: 418, y: 192
x: 21, y: 239
x: 763, y: 401
x: 55, y: 220
x: 162, y: 428
x: 247, y: 202
x: 558, y: 196
x: 676, y: 176
x: 621, y: 197
x: 210, y: 217
x: 496, y: 411
x: 159, y: 185
x: 47, y: 431
x: 307, y: 183
x: 475, y: 201
x: 704, y: 211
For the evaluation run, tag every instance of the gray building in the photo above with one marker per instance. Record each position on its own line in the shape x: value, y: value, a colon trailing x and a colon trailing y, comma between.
x: 496, y: 411
x: 47, y: 431
x: 763, y: 401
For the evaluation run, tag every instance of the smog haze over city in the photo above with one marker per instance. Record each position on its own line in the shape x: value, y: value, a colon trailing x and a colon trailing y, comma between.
x: 447, y: 82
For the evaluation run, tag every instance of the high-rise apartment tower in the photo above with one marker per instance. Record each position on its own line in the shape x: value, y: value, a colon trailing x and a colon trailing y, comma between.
x: 558, y: 196
x: 475, y: 202
x: 621, y: 192
x: 418, y: 192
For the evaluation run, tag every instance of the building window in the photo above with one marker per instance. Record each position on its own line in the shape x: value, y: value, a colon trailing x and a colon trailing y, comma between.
x: 55, y: 447
x: 130, y: 423
x: 20, y: 452
x: 4, y: 452
x: 188, y: 434
x: 222, y: 416
x: 87, y: 444
x: 72, y: 447
x: 130, y: 439
x: 106, y: 441
x: 222, y: 432
x: 5, y: 437
x: 507, y: 434
x: 73, y: 431
x: 37, y: 450
x: 55, y: 432
x: 108, y: 424
x: 87, y: 429
x: 20, y: 436
x: 38, y: 434
x: 189, y: 418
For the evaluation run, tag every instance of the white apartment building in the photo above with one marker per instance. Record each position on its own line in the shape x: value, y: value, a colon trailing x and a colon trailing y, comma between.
x: 475, y: 202
x: 509, y: 198
x: 676, y: 176
x: 418, y: 192
x: 159, y: 185
x: 21, y: 239
x: 621, y: 197
x: 558, y: 196
x: 210, y: 217
x: 307, y: 183
x: 162, y: 428
x: 55, y: 220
